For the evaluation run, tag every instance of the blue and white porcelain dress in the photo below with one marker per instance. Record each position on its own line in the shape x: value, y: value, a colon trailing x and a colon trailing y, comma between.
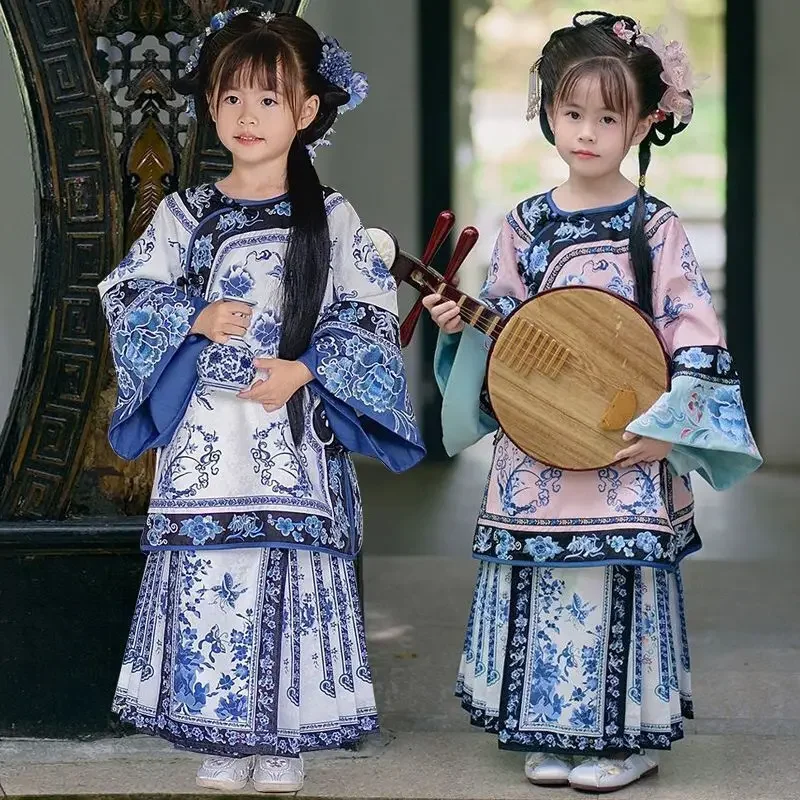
x: 248, y: 636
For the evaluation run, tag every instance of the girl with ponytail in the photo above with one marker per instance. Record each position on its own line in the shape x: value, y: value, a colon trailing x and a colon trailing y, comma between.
x: 576, y: 649
x: 255, y: 337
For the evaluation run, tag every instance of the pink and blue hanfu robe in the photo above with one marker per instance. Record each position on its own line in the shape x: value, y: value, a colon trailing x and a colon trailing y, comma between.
x: 576, y: 641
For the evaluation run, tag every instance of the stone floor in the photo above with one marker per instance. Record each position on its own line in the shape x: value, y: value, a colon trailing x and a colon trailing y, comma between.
x: 743, y: 599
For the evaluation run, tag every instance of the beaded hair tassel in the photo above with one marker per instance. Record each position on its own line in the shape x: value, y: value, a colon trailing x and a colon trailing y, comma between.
x: 534, y: 94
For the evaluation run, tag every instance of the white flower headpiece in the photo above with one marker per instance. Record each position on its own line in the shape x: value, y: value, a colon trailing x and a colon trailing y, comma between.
x: 676, y: 69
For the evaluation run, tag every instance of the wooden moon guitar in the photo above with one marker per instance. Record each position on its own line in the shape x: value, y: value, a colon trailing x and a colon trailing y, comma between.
x: 568, y: 370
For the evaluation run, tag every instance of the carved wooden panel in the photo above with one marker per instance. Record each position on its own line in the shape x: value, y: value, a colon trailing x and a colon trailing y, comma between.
x: 137, y: 49
x: 41, y: 441
x: 110, y: 139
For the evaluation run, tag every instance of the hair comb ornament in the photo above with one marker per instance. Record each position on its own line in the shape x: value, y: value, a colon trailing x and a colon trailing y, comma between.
x: 626, y: 32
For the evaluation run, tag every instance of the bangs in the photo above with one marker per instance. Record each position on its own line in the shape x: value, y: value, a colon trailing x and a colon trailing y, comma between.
x: 258, y: 60
x: 616, y: 86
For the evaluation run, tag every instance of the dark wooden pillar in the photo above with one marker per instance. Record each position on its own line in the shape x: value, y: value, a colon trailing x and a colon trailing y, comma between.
x: 741, y: 214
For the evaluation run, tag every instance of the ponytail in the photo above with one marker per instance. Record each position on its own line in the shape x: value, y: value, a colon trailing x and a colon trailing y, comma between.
x: 641, y: 256
x: 305, y: 274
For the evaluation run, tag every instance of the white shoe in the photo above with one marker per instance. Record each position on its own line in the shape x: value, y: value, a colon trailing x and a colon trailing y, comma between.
x: 544, y: 769
x: 604, y: 775
x: 219, y: 772
x: 277, y: 775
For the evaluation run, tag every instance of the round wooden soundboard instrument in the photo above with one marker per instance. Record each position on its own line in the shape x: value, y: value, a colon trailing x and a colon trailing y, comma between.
x: 567, y: 371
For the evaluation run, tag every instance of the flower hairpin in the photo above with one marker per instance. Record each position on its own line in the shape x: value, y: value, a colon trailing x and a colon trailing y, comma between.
x: 676, y: 70
x: 676, y: 74
x: 336, y: 66
x: 626, y: 32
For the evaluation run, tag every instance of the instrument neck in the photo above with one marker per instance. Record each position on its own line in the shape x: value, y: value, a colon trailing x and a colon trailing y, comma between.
x: 427, y: 281
x: 473, y: 313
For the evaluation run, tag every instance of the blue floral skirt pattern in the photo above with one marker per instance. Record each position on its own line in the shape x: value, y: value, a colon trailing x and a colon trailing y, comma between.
x: 248, y: 651
x: 583, y: 661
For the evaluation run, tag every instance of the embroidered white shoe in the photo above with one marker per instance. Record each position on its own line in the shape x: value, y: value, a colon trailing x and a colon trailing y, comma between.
x: 217, y: 772
x: 278, y: 775
x: 603, y: 775
x: 545, y: 769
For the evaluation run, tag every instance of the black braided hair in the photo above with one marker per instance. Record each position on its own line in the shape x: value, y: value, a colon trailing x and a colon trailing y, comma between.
x: 591, y: 47
x: 251, y: 51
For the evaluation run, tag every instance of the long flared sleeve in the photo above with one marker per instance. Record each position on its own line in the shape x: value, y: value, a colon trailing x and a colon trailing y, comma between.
x: 150, y: 314
x: 460, y: 359
x: 702, y: 414
x: 355, y: 355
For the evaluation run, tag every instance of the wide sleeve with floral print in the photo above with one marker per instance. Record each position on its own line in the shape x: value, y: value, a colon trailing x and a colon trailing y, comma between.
x: 150, y: 309
x: 702, y: 414
x: 355, y: 355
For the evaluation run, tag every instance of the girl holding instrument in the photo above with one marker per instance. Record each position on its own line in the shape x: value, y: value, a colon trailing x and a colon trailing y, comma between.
x: 255, y: 338
x: 576, y: 648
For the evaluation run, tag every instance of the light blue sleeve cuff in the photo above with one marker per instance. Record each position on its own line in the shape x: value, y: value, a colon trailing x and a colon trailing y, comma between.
x: 706, y: 423
x: 460, y: 369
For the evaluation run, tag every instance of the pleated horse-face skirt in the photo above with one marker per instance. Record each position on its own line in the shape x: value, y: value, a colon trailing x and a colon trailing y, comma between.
x: 248, y: 651
x: 580, y: 661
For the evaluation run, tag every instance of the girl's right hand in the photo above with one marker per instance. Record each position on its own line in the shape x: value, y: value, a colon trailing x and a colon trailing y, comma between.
x: 445, y: 313
x: 222, y: 319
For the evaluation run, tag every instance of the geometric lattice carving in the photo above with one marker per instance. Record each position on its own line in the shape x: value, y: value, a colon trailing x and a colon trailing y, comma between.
x: 84, y: 206
x: 36, y: 493
x: 77, y: 240
x: 54, y: 436
x: 84, y: 194
x: 79, y: 322
x: 73, y: 377
x: 88, y: 257
x: 83, y: 129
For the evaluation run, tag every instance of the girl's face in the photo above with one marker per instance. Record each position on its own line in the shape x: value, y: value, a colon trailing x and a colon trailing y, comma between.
x: 258, y: 125
x: 591, y: 138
